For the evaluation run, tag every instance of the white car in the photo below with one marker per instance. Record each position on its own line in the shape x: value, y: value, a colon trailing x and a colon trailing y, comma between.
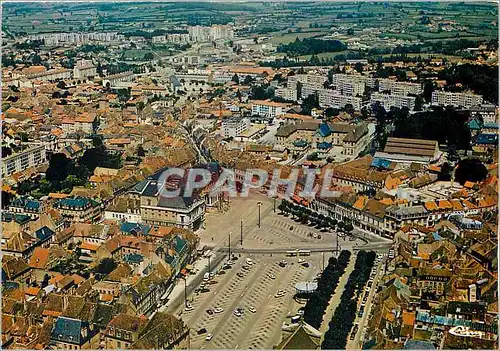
x: 209, y: 337
x: 237, y: 313
x: 272, y: 276
x: 218, y: 310
x: 301, y: 260
x: 249, y: 261
x: 253, y: 310
x: 189, y: 308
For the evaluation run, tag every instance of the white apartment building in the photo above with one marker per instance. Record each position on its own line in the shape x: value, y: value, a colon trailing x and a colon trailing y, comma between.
x: 32, y: 155
x: 399, y: 88
x: 84, y: 69
x: 202, y: 34
x: 231, y: 127
x: 350, y: 88
x: 286, y: 93
x: 332, y: 98
x: 310, y: 88
x: 77, y: 38
x: 389, y: 100
x: 339, y: 77
x: 268, y: 109
x: 178, y: 38
x: 312, y: 79
x: 466, y: 100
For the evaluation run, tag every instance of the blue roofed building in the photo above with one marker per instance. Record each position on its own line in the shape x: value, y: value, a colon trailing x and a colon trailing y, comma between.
x: 78, y: 209
x: 489, y: 140
x: 72, y: 334
x: 381, y: 163
x: 44, y: 234
x: 159, y: 209
x: 135, y: 228
x: 27, y: 206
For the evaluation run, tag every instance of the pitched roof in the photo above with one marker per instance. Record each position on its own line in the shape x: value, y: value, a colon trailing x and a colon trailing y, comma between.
x: 128, y: 322
x: 39, y: 258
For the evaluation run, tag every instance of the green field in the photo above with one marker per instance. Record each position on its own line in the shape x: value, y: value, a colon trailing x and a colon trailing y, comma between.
x: 289, y: 37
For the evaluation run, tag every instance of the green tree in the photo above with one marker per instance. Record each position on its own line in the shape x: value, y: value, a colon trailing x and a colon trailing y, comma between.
x: 236, y: 79
x: 470, y: 169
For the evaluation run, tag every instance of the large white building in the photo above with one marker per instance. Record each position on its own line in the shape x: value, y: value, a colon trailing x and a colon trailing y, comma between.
x: 289, y: 94
x: 466, y: 100
x: 268, y: 109
x: 202, y: 34
x: 350, y: 88
x: 389, y: 100
x: 314, y: 79
x: 84, y: 69
x: 339, y: 77
x: 234, y: 126
x: 399, y: 88
x: 333, y: 98
x: 77, y: 38
x: 31, y: 155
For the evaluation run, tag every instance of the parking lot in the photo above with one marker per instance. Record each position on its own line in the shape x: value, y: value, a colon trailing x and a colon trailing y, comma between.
x: 255, y: 292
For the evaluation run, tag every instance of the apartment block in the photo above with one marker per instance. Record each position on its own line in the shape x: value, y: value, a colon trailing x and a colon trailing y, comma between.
x: 352, y: 78
x: 268, y: 109
x: 466, y: 100
x: 332, y: 98
x: 399, y: 88
x: 350, y: 88
x: 314, y: 79
x: 389, y: 100
x: 29, y: 156
x: 289, y: 94
x: 234, y: 126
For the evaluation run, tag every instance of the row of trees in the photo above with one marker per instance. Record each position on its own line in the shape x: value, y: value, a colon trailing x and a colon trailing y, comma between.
x: 341, y: 324
x: 307, y: 216
x: 319, y: 300
x: 310, y: 46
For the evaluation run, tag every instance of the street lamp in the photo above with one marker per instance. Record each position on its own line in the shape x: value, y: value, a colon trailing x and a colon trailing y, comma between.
x: 241, y: 231
x: 209, y: 270
x: 259, y: 204
x: 185, y: 292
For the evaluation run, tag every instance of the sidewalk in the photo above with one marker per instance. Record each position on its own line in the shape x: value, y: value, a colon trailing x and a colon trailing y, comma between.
x: 335, y: 300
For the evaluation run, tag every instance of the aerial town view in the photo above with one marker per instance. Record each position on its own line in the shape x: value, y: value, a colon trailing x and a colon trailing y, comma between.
x: 249, y: 175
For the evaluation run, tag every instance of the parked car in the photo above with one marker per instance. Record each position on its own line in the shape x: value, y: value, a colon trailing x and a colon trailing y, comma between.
x: 246, y: 268
x: 210, y: 312
x: 239, y: 274
x: 209, y: 337
x: 253, y: 310
x: 218, y: 310
x: 202, y: 331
